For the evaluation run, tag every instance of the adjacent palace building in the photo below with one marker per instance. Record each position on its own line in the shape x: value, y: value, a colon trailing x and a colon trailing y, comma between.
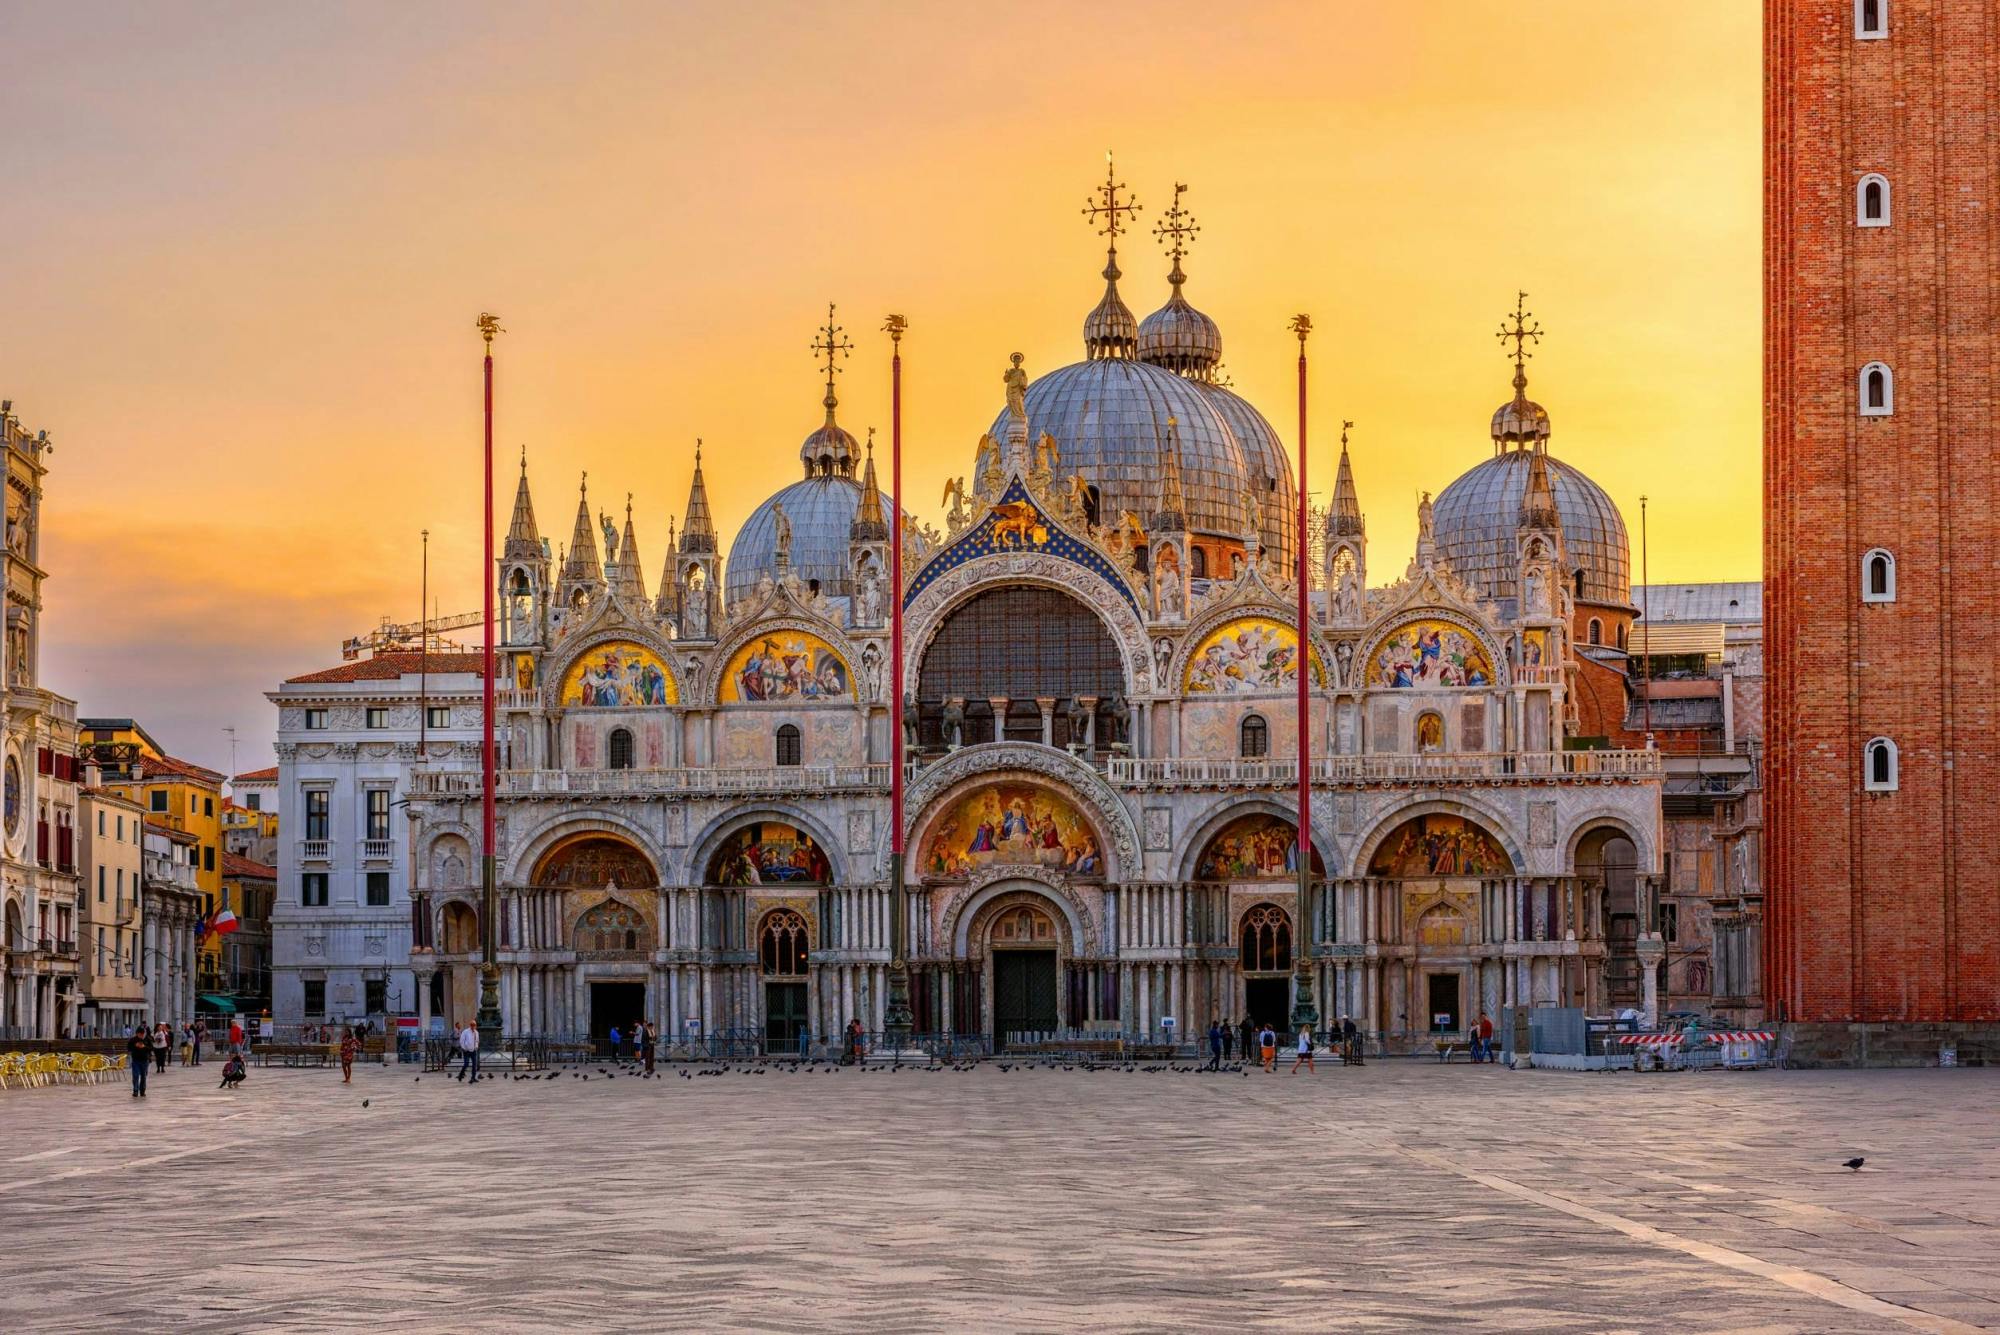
x: 1101, y: 657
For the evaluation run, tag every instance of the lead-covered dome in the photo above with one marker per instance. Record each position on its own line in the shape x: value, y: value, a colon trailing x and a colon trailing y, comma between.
x: 821, y: 512
x: 1266, y: 463
x: 1476, y: 519
x: 1109, y: 417
x: 1181, y: 339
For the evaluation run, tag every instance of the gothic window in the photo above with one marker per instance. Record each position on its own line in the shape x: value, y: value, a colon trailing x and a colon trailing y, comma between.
x: 1266, y: 935
x: 1871, y: 18
x: 1198, y: 562
x: 782, y: 944
x: 1871, y: 201
x: 1256, y: 736
x: 1018, y: 644
x: 1881, y: 770
x: 1596, y: 631
x: 619, y: 748
x: 1878, y: 390
x: 788, y: 745
x: 1878, y: 577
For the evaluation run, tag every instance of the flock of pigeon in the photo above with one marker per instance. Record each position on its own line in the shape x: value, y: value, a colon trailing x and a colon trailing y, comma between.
x: 818, y: 1066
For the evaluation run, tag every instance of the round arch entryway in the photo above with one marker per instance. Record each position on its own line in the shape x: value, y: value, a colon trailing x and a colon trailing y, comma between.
x: 1017, y: 944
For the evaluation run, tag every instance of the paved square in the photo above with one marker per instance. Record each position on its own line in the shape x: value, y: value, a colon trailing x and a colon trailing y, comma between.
x: 1397, y: 1197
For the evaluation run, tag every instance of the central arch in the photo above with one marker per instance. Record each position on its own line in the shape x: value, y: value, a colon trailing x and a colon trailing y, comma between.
x: 1020, y: 643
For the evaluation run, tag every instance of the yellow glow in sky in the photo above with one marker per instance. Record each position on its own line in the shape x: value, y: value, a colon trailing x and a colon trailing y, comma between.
x: 247, y: 244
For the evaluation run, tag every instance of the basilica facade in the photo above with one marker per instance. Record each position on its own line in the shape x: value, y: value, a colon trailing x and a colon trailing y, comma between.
x: 1101, y: 649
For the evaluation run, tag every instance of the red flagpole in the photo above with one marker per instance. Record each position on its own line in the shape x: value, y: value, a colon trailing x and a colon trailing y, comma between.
x: 1304, y: 1013
x: 897, y: 1017
x: 489, y: 936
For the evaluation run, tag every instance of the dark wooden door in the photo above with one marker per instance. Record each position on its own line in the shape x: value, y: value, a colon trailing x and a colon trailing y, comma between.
x: 1024, y: 992
x: 784, y: 1017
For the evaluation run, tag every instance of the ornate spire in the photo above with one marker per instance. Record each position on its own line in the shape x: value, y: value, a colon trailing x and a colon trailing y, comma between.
x: 830, y: 449
x: 869, y: 524
x: 1538, y: 499
x: 698, y: 530
x: 1176, y: 231
x: 1520, y: 421
x: 1345, y: 519
x: 582, y: 564
x: 1173, y: 501
x: 1109, y: 330
x: 524, y: 539
x: 631, y: 579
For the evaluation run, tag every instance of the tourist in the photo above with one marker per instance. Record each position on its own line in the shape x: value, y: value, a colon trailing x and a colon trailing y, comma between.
x: 1248, y: 1030
x: 617, y: 1043
x: 1482, y: 1037
x: 235, y: 1034
x: 349, y: 1046
x: 649, y: 1039
x: 1214, y: 1045
x: 853, y: 1041
x: 1350, y: 1042
x: 163, y: 1043
x: 1267, y: 1045
x: 1305, y: 1056
x: 1228, y: 1039
x: 139, y: 1056
x: 233, y: 1072
x: 468, y: 1052
x: 200, y: 1030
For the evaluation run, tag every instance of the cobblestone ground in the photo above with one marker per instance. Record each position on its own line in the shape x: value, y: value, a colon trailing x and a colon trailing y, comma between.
x: 1397, y: 1197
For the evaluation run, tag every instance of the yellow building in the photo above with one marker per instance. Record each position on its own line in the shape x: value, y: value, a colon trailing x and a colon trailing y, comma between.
x: 179, y: 795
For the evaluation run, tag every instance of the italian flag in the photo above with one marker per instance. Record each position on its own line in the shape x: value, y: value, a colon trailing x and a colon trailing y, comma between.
x: 223, y: 923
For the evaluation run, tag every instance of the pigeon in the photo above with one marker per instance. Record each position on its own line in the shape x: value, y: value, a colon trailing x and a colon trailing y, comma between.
x: 364, y: 1103
x: 415, y: 1079
x: 1854, y: 1164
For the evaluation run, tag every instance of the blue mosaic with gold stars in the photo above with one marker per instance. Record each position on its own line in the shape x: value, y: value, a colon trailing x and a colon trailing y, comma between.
x: 1017, y: 524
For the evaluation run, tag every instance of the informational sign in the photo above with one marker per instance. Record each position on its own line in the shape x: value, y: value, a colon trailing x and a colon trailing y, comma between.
x: 1441, y: 1020
x: 693, y: 1027
x: 1167, y: 1023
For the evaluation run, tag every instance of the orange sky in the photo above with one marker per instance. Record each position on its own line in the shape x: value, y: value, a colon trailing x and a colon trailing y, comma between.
x: 244, y: 246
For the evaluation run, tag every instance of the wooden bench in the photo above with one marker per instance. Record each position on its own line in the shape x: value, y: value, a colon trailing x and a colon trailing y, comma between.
x: 295, y: 1054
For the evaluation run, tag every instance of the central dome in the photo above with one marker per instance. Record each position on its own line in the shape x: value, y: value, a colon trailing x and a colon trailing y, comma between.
x: 1109, y: 416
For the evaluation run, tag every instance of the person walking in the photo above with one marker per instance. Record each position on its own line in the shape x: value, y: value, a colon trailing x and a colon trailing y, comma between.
x: 854, y: 1041
x: 468, y: 1052
x: 617, y: 1038
x: 139, y: 1056
x: 1248, y: 1030
x: 1228, y: 1039
x: 1267, y: 1047
x: 162, y: 1044
x: 235, y: 1034
x: 1215, y: 1045
x: 200, y: 1028
x: 1305, y: 1056
x: 1350, y: 1042
x: 649, y: 1040
x: 1483, y: 1035
x: 350, y: 1047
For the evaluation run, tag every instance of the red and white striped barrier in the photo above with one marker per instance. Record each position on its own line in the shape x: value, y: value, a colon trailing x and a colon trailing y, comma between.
x: 1742, y: 1036
x: 1651, y: 1040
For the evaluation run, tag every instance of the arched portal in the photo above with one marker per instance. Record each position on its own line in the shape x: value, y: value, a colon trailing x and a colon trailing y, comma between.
x: 783, y: 948
x: 1019, y: 645
x: 1607, y: 863
x: 1259, y: 846
x: 593, y: 861
x: 1025, y: 943
x: 1264, y: 958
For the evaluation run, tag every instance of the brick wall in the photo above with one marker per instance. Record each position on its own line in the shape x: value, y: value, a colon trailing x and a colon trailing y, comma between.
x: 1882, y: 906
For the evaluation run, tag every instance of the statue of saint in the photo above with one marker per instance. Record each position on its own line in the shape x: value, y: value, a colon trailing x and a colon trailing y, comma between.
x: 610, y: 539
x: 870, y: 597
x: 782, y: 524
x: 1016, y: 381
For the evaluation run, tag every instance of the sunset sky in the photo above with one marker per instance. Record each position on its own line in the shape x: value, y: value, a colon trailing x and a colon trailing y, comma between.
x: 244, y: 246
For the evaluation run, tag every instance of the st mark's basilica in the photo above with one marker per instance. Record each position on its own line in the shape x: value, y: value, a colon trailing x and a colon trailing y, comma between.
x: 694, y: 785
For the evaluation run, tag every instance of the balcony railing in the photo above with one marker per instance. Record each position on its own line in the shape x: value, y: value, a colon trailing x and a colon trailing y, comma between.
x: 165, y: 871
x: 315, y: 850
x: 1455, y: 767
x: 378, y: 850
x: 719, y: 779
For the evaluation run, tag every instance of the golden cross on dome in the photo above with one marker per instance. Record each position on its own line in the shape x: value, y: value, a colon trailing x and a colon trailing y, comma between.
x: 1178, y: 224
x: 1110, y: 208
x: 832, y: 345
x: 1522, y: 332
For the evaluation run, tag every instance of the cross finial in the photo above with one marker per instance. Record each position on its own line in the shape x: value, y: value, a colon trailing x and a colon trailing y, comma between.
x: 832, y: 345
x: 1110, y: 209
x: 1179, y: 225
x: 628, y: 507
x: 1345, y: 427
x: 1522, y: 333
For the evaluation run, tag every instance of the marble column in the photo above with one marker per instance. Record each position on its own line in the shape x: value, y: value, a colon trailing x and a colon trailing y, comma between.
x: 1047, y: 704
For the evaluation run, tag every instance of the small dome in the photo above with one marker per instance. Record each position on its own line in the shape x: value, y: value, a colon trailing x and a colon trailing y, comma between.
x: 1110, y: 329
x: 1179, y: 338
x: 1476, y: 518
x: 820, y: 510
x: 1520, y: 420
x: 830, y: 450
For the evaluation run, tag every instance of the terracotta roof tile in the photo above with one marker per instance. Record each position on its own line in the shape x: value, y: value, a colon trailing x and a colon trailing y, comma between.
x: 178, y: 836
x: 269, y: 775
x: 166, y: 767
x: 234, y: 864
x: 391, y: 665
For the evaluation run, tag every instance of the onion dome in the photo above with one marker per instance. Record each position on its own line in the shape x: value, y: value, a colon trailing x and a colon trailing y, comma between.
x: 830, y: 451
x: 1109, y: 330
x: 1520, y: 421
x: 1267, y: 467
x: 1178, y: 337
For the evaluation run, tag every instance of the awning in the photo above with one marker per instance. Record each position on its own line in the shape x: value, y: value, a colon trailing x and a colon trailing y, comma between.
x: 215, y: 1003
x: 1686, y: 637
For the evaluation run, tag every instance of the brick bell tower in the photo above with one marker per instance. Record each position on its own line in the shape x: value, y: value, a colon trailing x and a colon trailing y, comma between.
x: 1882, y: 444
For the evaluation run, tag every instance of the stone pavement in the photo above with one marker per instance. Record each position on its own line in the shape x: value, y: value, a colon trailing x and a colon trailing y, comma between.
x: 1396, y: 1197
